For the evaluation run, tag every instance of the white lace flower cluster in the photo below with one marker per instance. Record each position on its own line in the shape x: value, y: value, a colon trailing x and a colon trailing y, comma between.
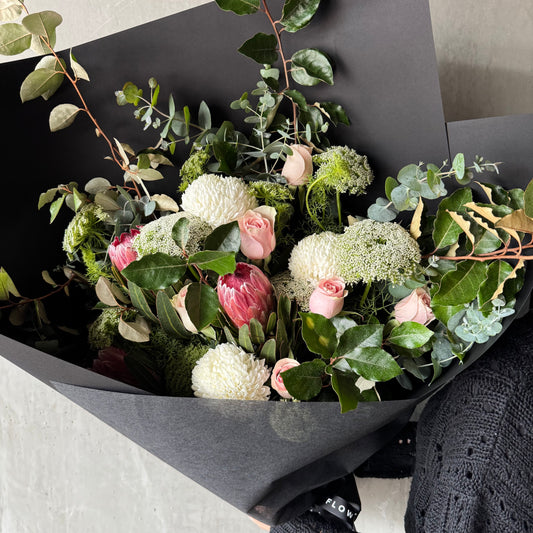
x: 156, y: 236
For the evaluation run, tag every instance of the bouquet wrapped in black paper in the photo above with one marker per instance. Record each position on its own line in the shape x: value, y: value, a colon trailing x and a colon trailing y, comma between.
x: 264, y: 298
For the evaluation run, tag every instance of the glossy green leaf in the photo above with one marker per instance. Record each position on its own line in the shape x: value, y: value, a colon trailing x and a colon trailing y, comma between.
x: 445, y: 312
x: 180, y: 232
x: 239, y: 7
x: 368, y: 335
x: 14, y: 39
x: 298, y: 13
x: 373, y: 363
x: 297, y: 97
x: 156, y: 271
x: 461, y: 285
x: 304, y: 381
x: 446, y: 231
x: 40, y: 82
x: 225, y: 238
x: 220, y: 262
x: 261, y: 48
x: 497, y: 273
x: 202, y: 304
x: 168, y: 317
x: 226, y: 155
x: 335, y: 113
x: 138, y: 299
x: 310, y: 66
x: 410, y: 335
x: 62, y: 116
x: 343, y: 384
x: 528, y: 200
x: 319, y: 334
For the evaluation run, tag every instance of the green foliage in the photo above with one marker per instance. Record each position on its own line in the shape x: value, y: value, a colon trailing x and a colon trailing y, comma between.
x: 194, y: 166
x: 304, y: 382
x: 298, y: 13
x: 261, y: 48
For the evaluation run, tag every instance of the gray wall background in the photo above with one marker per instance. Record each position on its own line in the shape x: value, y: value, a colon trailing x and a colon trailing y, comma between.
x: 484, y: 49
x: 65, y: 471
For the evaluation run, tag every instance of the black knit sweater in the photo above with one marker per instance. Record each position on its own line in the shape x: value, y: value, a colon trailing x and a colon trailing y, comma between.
x: 474, y: 449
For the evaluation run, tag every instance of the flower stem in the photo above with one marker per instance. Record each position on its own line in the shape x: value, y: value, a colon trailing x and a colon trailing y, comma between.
x: 365, y: 294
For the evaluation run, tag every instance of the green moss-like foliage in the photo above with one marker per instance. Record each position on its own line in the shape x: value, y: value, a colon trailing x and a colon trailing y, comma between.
x: 176, y: 360
x: 194, y: 166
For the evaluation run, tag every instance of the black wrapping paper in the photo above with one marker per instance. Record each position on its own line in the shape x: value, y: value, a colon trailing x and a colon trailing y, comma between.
x: 264, y: 458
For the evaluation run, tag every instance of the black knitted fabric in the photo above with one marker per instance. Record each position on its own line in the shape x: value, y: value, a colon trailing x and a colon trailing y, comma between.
x: 474, y: 457
x: 309, y: 523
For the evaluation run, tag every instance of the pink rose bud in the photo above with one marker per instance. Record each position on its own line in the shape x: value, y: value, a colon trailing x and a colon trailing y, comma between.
x: 257, y: 232
x: 246, y: 294
x: 328, y: 297
x: 415, y: 308
x: 178, y: 302
x: 299, y: 166
x: 110, y: 363
x: 276, y: 380
x: 120, y: 250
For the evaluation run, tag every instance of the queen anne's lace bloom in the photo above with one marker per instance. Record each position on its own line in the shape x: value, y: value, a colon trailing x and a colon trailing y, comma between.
x: 377, y: 251
x: 156, y: 236
x: 315, y: 258
x: 218, y: 200
x: 228, y: 372
x: 295, y: 289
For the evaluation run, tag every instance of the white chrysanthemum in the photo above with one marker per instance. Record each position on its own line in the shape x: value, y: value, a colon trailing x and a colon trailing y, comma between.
x: 218, y: 200
x: 156, y: 236
x: 228, y: 372
x: 315, y: 258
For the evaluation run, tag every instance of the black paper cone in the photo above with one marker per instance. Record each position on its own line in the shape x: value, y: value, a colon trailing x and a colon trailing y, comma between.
x: 262, y: 457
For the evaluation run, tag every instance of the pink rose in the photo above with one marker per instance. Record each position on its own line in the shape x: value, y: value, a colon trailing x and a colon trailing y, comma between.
x: 299, y: 166
x: 328, y: 297
x: 120, y: 250
x: 178, y: 302
x: 257, y: 232
x: 245, y: 294
x: 276, y: 381
x: 415, y: 308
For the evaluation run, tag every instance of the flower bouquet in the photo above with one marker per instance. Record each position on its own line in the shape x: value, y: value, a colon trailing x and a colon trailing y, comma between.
x: 258, y: 299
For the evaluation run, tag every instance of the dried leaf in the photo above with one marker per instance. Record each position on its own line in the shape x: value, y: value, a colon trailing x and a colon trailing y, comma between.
x: 104, y: 291
x: 512, y: 275
x: 165, y: 203
x: 464, y: 225
x: 414, y: 229
x: 138, y: 331
x: 517, y: 221
x: 485, y: 212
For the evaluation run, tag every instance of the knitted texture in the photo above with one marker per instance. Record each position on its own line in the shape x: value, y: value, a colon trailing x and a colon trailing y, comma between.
x: 309, y: 523
x: 474, y: 461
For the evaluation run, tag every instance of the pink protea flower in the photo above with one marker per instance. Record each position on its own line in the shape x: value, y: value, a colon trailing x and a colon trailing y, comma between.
x: 246, y: 294
x: 121, y: 251
x: 110, y: 363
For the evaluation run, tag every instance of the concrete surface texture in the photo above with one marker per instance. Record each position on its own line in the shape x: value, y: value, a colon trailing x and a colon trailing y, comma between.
x: 63, y: 470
